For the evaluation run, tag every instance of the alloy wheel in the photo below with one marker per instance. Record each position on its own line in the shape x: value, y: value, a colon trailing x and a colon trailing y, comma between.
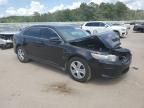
x: 20, y: 54
x: 77, y: 69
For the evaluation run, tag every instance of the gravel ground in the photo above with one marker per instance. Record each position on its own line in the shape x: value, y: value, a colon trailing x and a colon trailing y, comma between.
x: 37, y: 85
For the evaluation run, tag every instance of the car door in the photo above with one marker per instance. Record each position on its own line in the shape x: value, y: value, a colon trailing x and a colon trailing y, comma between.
x: 53, y: 46
x: 32, y: 41
x: 101, y: 27
x: 94, y: 27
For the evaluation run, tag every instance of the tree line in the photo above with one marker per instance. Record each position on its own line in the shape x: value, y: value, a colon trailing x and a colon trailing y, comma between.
x: 86, y: 12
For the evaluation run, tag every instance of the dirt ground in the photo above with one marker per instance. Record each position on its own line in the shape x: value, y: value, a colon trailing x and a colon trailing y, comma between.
x: 37, y: 85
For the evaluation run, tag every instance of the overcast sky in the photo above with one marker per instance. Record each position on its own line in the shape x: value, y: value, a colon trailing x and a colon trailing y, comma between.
x: 28, y: 7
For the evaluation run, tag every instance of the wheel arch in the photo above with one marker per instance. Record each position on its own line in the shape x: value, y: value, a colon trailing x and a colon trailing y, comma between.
x: 74, y: 56
x: 77, y: 55
x: 84, y: 62
x: 18, y: 45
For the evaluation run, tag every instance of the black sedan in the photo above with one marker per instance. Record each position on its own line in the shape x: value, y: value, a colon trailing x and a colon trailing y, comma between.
x: 139, y: 27
x: 73, y: 50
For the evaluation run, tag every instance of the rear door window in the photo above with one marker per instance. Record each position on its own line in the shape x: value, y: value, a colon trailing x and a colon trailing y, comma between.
x: 89, y: 24
x: 101, y: 24
x: 96, y: 24
x: 33, y: 31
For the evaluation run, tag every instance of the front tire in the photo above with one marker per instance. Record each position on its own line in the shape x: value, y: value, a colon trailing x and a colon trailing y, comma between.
x: 79, y: 70
x: 21, y: 55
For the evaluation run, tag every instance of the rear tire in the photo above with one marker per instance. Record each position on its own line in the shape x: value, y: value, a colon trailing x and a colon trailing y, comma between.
x: 79, y: 70
x: 21, y: 55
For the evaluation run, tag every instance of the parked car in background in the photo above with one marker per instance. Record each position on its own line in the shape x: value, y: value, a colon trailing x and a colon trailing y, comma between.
x: 94, y: 27
x: 128, y: 26
x: 139, y: 27
x: 76, y: 25
x: 74, y: 50
x: 6, y: 36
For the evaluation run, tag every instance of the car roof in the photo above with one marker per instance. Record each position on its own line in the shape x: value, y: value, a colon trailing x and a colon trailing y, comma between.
x: 53, y: 26
x: 94, y: 21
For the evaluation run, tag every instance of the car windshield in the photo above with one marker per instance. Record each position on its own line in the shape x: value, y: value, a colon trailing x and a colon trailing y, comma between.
x: 72, y: 33
x: 110, y: 39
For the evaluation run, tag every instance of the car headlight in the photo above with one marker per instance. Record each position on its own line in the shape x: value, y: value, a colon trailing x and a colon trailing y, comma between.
x: 111, y: 58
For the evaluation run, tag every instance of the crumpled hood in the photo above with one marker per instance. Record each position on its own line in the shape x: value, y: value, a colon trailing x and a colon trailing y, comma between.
x: 102, y: 40
x: 110, y: 39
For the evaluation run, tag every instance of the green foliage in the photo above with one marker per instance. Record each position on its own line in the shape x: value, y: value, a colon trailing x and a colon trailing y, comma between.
x: 86, y: 12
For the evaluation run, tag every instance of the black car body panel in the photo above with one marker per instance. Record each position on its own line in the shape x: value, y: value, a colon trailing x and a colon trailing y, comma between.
x: 139, y: 27
x: 59, y: 51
